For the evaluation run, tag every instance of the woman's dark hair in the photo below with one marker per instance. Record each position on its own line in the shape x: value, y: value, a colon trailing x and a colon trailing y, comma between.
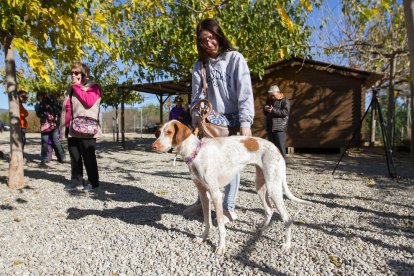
x: 210, y: 24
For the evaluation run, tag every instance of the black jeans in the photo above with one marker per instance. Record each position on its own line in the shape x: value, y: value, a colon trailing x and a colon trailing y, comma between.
x: 23, y: 133
x: 82, y: 150
x: 279, y: 139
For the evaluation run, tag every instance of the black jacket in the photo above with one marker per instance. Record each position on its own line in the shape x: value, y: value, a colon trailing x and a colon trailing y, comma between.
x: 48, y: 104
x: 280, y: 110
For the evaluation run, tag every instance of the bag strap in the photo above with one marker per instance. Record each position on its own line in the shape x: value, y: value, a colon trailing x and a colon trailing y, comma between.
x: 204, y: 74
x: 205, y: 101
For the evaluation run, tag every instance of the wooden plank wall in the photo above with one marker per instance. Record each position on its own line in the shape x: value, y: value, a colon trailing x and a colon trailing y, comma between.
x: 326, y: 107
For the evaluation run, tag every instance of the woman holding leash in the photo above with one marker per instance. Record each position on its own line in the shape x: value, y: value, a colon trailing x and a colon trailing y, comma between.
x: 229, y: 90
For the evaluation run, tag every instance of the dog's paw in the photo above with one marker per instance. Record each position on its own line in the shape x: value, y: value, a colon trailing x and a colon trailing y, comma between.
x: 265, y: 224
x: 220, y: 251
x: 198, y: 240
x: 286, y: 246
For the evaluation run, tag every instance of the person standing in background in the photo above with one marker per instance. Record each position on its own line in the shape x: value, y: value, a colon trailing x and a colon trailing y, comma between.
x: 83, y: 98
x: 49, y: 110
x: 23, y: 114
x: 277, y: 109
x: 178, y: 112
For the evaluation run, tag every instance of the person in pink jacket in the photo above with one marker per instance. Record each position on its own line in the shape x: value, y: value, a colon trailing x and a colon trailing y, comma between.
x: 82, y: 100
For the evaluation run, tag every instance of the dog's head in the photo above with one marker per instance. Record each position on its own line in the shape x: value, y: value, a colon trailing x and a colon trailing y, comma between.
x: 170, y: 135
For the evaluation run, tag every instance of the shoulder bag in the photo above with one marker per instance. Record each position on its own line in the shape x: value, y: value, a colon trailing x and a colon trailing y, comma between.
x: 48, y: 124
x: 84, y: 126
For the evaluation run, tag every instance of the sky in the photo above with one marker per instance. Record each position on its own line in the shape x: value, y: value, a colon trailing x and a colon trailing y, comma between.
x: 329, y: 7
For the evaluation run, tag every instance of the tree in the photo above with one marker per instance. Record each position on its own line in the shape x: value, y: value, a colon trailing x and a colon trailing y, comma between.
x: 160, y: 35
x: 157, y: 37
x: 40, y: 31
x: 371, y: 35
x: 109, y: 75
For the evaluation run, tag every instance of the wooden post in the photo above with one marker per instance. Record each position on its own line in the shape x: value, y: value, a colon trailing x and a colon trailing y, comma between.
x: 161, y: 107
x: 123, y: 118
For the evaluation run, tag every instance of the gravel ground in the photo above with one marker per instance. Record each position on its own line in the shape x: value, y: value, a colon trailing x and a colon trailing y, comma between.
x: 362, y: 222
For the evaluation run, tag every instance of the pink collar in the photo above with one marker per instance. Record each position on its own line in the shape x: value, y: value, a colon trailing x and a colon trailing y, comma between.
x: 193, y: 155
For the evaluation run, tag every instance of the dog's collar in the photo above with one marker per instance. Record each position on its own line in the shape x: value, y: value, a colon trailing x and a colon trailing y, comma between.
x: 193, y: 155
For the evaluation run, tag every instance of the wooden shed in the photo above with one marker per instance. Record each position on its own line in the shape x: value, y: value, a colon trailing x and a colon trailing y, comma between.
x: 327, y: 101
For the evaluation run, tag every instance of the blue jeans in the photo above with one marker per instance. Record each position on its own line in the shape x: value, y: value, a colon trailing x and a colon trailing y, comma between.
x: 230, y: 193
x: 54, y: 135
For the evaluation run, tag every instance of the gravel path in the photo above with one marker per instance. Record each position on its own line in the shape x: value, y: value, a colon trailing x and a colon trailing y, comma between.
x: 362, y: 222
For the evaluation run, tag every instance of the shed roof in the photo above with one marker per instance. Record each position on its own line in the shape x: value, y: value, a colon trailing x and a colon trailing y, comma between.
x: 161, y: 88
x: 168, y: 88
x: 368, y: 78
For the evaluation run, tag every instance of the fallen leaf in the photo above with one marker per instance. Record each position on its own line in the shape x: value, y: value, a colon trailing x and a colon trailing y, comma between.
x: 15, y: 263
x: 335, y: 260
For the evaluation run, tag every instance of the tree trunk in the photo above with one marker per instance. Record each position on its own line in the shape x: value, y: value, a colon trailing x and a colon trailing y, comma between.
x: 16, y: 168
x: 409, y: 21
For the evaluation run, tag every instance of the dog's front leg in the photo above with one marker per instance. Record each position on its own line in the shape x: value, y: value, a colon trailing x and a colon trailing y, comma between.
x: 216, y: 197
x: 205, y: 203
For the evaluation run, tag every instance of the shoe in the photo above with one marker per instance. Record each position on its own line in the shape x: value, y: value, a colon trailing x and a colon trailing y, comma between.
x: 43, y: 164
x: 64, y: 160
x: 73, y: 186
x: 89, y: 188
x: 229, y: 216
x: 193, y: 210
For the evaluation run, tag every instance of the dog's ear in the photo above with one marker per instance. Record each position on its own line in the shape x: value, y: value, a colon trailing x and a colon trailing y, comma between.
x: 181, y: 132
x: 157, y: 133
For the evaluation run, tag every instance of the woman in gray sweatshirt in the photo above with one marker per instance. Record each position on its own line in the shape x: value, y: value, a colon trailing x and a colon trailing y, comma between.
x: 229, y: 90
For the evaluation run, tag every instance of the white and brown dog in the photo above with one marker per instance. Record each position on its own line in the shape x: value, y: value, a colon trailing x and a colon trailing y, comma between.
x: 214, y: 162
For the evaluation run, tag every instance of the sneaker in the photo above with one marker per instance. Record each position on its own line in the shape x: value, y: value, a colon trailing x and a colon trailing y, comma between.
x: 73, y: 186
x: 64, y: 160
x: 229, y: 216
x: 193, y: 210
x: 43, y: 164
x: 89, y: 188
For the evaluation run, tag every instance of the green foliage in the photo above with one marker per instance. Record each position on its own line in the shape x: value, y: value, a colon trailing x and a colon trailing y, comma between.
x: 44, y: 31
x: 160, y: 38
x: 59, y: 82
x: 4, y: 117
x: 108, y: 74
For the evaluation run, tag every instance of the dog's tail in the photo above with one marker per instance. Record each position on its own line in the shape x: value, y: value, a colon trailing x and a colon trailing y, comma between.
x: 291, y: 196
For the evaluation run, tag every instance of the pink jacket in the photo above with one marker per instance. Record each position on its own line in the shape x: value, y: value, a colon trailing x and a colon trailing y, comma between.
x: 85, y: 99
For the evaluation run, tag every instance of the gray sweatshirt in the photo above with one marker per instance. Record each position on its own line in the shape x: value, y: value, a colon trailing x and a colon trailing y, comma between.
x: 229, y: 87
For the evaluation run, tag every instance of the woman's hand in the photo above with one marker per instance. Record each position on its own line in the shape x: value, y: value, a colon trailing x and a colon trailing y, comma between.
x: 245, y: 131
x: 268, y: 108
